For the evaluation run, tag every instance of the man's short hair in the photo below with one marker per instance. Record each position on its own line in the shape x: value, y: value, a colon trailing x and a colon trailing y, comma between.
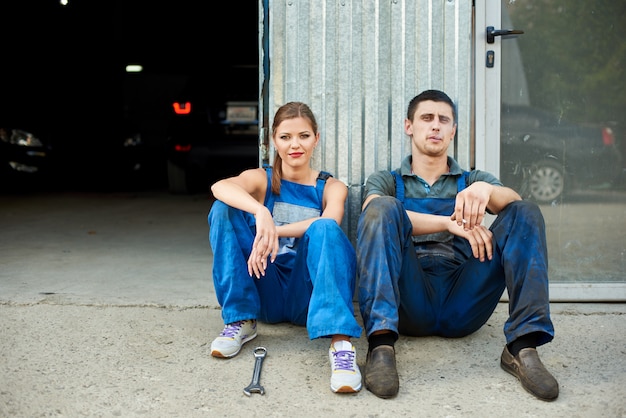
x: 433, y: 95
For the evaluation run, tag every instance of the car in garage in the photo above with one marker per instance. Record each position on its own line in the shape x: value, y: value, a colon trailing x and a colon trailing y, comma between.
x: 545, y: 158
x: 25, y: 158
x: 213, y: 129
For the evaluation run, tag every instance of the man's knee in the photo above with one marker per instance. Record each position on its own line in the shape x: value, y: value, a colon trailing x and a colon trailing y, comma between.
x: 523, y: 210
x: 524, y: 206
x: 380, y: 207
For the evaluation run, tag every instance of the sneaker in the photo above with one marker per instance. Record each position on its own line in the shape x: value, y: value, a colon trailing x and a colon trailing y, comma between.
x: 233, y: 337
x: 346, y: 376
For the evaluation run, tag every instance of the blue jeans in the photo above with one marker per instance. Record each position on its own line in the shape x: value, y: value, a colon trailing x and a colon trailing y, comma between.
x: 452, y: 297
x: 313, y: 287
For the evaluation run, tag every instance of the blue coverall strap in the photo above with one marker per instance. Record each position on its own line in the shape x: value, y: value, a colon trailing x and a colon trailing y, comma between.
x: 319, y: 187
x: 399, y: 185
x: 321, y: 182
x: 268, y: 190
x: 463, y: 181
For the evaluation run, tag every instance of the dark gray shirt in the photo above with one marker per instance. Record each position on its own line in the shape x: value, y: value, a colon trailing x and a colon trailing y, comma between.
x: 382, y: 182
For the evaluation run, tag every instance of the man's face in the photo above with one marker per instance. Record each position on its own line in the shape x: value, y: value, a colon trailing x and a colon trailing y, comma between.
x: 432, y: 128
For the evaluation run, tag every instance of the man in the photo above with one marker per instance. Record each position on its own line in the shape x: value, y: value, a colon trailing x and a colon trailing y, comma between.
x: 427, y: 265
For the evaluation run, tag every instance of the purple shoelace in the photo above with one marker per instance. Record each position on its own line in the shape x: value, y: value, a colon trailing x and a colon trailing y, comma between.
x: 231, y: 329
x: 344, y: 360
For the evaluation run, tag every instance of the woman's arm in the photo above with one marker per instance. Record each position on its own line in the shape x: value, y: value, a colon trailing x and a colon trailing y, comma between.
x: 245, y: 191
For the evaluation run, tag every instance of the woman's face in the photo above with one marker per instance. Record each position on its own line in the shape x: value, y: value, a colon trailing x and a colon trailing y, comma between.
x: 295, y: 141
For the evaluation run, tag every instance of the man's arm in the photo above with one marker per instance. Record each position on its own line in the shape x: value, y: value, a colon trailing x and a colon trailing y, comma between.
x: 378, y: 184
x: 479, y: 197
x: 368, y: 199
x: 501, y: 196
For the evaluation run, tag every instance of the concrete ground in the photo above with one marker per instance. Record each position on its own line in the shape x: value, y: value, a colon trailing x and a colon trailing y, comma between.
x: 107, y: 309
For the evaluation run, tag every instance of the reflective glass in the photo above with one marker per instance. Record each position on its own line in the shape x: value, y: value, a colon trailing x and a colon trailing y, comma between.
x: 563, y: 129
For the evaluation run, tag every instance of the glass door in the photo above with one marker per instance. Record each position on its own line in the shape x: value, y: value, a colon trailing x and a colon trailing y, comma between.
x: 562, y: 132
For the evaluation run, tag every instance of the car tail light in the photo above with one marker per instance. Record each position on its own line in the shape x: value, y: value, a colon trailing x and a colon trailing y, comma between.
x: 182, y: 148
x: 607, y: 136
x: 182, y: 108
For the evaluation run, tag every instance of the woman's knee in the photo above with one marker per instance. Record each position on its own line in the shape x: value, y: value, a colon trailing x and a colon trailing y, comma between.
x: 326, y: 231
x: 322, y: 224
x: 218, y: 209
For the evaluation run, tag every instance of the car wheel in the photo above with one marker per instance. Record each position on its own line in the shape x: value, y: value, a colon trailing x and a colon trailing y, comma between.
x: 176, y: 179
x: 546, y: 181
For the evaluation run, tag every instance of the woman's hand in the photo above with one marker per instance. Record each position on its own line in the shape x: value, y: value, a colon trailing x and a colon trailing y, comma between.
x: 265, y: 243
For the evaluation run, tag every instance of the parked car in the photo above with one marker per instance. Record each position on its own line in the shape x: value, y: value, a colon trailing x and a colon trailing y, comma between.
x: 544, y: 157
x: 63, y: 158
x: 25, y: 159
x: 213, y: 129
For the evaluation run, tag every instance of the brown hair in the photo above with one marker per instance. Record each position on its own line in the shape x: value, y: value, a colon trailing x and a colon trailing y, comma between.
x: 435, y: 96
x: 288, y: 111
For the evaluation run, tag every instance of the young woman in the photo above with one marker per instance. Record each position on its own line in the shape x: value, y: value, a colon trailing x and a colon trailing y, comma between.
x: 279, y: 253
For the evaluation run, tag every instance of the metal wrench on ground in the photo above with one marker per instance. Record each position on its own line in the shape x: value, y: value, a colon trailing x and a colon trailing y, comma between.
x: 255, y: 386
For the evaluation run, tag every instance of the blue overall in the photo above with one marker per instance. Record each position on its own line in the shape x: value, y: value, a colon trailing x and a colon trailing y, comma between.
x: 313, y: 278
x: 422, y: 288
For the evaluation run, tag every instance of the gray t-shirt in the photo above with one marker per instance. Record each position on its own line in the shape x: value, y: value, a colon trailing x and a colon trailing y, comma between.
x: 382, y: 182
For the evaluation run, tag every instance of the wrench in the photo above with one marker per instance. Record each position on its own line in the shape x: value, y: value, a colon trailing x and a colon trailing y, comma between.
x: 254, y: 386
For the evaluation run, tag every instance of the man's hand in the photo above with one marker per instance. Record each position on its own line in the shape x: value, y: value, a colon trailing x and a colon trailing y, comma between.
x: 471, y: 204
x: 479, y: 237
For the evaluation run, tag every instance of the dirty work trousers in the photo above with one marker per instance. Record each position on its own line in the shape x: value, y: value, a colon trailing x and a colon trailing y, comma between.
x: 452, y: 297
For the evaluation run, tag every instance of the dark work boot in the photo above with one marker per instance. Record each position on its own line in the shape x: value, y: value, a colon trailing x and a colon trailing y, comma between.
x: 381, y: 376
x: 531, y: 372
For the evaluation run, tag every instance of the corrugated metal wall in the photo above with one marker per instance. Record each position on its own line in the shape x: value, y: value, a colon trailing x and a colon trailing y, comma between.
x: 357, y: 63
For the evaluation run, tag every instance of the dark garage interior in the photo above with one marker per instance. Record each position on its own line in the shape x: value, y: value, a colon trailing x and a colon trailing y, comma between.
x: 64, y: 80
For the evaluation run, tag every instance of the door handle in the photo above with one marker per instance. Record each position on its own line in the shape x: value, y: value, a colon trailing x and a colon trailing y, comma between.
x: 492, y: 33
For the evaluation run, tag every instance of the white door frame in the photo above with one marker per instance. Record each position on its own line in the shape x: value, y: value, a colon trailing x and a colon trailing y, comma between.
x: 487, y: 88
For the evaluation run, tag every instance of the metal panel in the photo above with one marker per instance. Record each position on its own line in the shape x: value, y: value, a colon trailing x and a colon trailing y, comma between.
x: 358, y: 63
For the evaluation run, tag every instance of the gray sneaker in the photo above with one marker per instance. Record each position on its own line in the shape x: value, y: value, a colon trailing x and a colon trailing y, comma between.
x: 346, y: 376
x: 233, y: 337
